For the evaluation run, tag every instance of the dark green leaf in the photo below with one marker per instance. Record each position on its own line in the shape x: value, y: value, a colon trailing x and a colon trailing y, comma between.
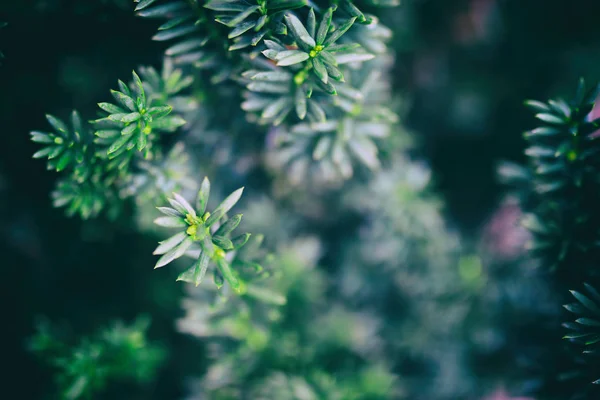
x: 168, y: 245
x: 589, y: 304
x: 124, y: 100
x: 324, y: 26
x: 222, y: 242
x: 343, y: 28
x: 240, y: 241
x: 241, y: 29
x: 174, y: 32
x: 171, y: 222
x: 588, y: 321
x: 320, y: 70
x: 538, y: 105
x: 225, y: 206
x: 57, y: 124
x: 120, y: 142
x: 299, y: 32
x: 159, y: 112
x: 227, y: 273
x: 291, y: 57
x: 311, y: 24
x: 175, y: 253
x: 111, y: 108
x: 550, y: 118
x: 203, y: 194
x: 229, y: 225
x: 195, y: 274
x: 242, y: 16
x: 234, y: 5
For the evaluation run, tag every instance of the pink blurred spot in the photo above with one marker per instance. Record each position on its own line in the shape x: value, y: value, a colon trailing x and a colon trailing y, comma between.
x: 503, y: 236
x: 595, y: 114
x: 502, y: 394
x: 473, y: 25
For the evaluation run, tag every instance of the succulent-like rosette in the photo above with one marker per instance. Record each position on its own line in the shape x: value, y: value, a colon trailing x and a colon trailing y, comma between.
x: 210, y: 233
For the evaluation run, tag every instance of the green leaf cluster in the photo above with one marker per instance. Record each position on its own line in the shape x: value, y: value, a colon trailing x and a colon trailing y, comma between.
x: 270, y: 350
x: 97, y: 159
x: 194, y: 39
x: 585, y: 330
x: 360, y: 123
x: 211, y: 232
x: 86, y: 368
x: 295, y: 63
x: 250, y: 22
x: 560, y: 184
x: 132, y: 123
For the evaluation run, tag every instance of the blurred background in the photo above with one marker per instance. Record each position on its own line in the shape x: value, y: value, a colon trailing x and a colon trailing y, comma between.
x: 463, y: 67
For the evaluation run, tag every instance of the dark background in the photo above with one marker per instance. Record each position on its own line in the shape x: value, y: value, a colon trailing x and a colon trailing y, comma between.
x: 464, y: 68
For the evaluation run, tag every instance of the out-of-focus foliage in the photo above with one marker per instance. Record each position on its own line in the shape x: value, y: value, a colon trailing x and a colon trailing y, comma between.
x: 2, y: 25
x: 310, y: 347
x: 418, y: 281
x: 86, y: 367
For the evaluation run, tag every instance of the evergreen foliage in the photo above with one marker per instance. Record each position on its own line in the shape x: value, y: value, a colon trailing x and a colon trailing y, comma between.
x: 559, y: 186
x: 98, y: 159
x: 558, y: 190
x: 214, y: 244
x: 352, y: 285
x: 264, y: 350
x: 86, y: 367
x: 314, y: 81
x: 586, y: 325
